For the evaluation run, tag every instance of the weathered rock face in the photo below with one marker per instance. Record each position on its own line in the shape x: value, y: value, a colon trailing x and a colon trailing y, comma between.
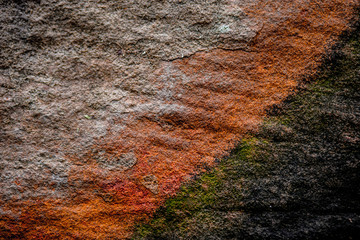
x: 106, y: 107
x: 295, y: 178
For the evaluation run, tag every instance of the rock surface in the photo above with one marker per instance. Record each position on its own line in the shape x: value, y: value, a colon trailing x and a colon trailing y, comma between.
x: 296, y: 178
x: 97, y: 95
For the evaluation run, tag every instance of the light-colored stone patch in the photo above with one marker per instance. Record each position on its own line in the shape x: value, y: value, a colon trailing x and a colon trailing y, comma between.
x: 151, y: 183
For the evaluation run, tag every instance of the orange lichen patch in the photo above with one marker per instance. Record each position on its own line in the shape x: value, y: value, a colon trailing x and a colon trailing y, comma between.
x: 207, y: 103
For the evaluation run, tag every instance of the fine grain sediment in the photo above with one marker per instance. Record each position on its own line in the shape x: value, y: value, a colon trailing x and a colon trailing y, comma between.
x: 107, y: 107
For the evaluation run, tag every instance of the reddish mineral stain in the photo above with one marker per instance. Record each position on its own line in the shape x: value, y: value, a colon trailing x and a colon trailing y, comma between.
x: 215, y: 98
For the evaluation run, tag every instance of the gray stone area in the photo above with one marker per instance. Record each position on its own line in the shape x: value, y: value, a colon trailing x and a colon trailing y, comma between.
x: 68, y: 69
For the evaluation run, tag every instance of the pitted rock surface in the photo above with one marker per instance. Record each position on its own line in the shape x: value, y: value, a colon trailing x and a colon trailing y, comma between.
x: 63, y: 60
x: 96, y: 96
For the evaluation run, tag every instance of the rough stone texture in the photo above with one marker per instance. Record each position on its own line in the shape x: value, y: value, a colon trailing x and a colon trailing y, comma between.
x: 151, y: 183
x: 296, y: 178
x: 97, y: 95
